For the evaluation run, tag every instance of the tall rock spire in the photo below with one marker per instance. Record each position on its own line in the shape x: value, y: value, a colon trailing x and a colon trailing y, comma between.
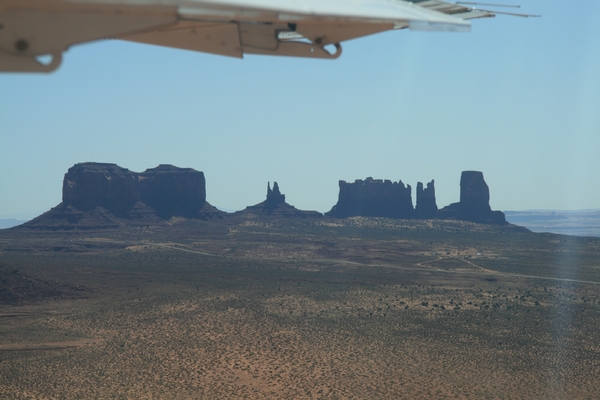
x: 274, y: 197
x: 474, y: 202
x: 275, y: 206
x: 426, y: 206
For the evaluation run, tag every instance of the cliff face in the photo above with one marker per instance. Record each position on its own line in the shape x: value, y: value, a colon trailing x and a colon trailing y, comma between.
x: 169, y: 190
x: 90, y: 185
x: 173, y: 191
x: 474, y: 193
x: 373, y: 198
x: 474, y: 202
x: 97, y: 195
x: 275, y: 206
x: 426, y: 207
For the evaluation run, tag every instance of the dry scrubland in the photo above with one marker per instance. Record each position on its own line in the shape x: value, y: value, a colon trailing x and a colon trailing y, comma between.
x: 360, y: 308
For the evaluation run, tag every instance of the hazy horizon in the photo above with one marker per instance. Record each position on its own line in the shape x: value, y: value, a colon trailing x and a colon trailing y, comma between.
x: 567, y: 222
x: 26, y: 217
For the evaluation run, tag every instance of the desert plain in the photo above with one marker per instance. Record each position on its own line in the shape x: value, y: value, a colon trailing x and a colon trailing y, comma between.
x: 266, y: 308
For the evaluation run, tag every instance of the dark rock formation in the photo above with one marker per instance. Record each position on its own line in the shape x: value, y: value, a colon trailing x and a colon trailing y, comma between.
x: 373, y: 198
x: 97, y: 195
x: 90, y: 185
x: 426, y: 207
x: 474, y: 192
x: 274, y: 197
x: 474, y: 202
x: 275, y: 206
x: 173, y: 191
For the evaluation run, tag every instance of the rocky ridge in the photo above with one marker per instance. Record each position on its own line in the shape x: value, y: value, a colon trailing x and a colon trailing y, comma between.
x: 426, y: 206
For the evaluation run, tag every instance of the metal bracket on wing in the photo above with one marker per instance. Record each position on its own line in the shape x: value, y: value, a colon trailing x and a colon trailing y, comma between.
x: 297, y: 49
x: 282, y: 41
x: 10, y: 62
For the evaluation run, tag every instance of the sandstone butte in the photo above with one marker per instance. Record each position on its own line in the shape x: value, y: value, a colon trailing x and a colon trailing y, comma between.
x: 100, y: 195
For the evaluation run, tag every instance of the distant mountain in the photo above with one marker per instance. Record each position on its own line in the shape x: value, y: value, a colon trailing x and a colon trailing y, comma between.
x: 9, y: 223
x: 566, y: 222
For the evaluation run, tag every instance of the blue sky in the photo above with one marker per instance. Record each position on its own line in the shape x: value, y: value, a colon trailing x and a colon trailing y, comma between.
x: 518, y: 99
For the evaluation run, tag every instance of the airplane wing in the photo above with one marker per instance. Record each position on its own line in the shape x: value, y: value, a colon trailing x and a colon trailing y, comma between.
x: 32, y: 30
x: 456, y: 10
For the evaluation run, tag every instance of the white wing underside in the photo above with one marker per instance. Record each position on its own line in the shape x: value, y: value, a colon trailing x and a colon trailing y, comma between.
x: 31, y: 28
